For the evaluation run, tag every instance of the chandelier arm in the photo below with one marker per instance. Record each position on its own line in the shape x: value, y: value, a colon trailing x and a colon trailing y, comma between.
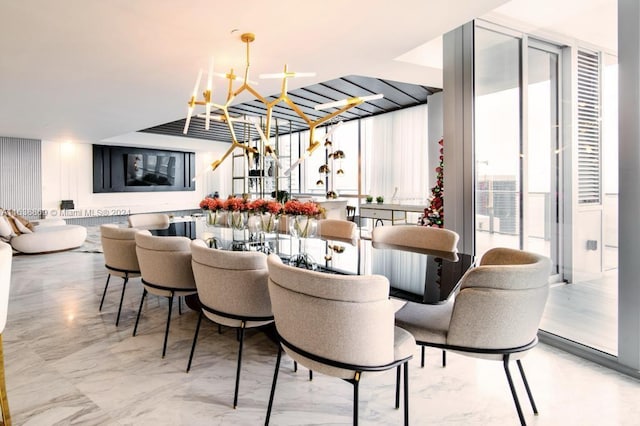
x: 298, y: 110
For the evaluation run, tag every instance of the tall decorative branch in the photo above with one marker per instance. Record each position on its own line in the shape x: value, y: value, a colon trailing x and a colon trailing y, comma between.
x: 434, y: 214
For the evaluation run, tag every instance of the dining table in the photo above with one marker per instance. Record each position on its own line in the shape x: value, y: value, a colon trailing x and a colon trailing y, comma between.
x: 417, y: 275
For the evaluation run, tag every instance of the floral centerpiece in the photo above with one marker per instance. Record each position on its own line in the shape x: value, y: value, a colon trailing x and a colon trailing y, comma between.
x: 267, y: 213
x: 304, y: 216
x: 212, y: 208
x: 237, y: 209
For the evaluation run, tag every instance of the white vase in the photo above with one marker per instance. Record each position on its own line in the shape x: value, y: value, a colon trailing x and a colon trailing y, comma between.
x: 237, y: 219
x: 302, y: 226
x: 214, y: 218
x: 268, y: 222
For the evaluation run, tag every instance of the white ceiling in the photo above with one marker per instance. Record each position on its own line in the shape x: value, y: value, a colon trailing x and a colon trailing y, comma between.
x: 86, y: 70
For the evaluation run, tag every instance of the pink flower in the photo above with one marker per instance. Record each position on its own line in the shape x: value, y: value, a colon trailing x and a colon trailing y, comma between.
x: 213, y: 204
x: 295, y: 207
x: 265, y: 206
x: 236, y: 204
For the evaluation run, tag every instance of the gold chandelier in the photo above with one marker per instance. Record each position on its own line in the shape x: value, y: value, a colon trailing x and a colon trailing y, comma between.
x: 246, y: 85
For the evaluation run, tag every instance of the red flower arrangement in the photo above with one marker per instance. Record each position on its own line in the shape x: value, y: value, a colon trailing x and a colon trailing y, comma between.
x: 308, y: 208
x: 213, y: 204
x: 265, y: 206
x: 236, y: 204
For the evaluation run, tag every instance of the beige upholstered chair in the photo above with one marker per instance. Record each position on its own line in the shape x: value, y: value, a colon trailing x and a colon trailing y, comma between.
x: 149, y: 220
x: 233, y: 291
x: 337, y: 325
x: 423, y: 237
x: 336, y: 229
x: 495, y: 315
x: 418, y: 237
x: 120, y: 259
x: 5, y: 280
x: 165, y: 264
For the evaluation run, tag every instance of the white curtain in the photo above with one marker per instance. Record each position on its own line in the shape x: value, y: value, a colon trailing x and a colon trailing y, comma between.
x: 396, y: 156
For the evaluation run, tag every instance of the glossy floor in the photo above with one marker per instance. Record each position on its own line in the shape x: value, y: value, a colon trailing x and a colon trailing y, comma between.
x: 67, y: 363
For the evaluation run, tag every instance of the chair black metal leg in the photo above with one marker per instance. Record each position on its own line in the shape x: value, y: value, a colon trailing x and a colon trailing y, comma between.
x: 295, y: 366
x: 273, y: 385
x: 356, y: 387
x: 406, y: 393
x: 195, y: 339
x: 526, y: 386
x: 104, y: 293
x: 144, y: 294
x: 166, y: 331
x: 179, y: 305
x: 124, y: 287
x: 310, y: 375
x: 505, y: 362
x: 422, y: 357
x: 444, y: 358
x: 397, y: 387
x: 235, y: 394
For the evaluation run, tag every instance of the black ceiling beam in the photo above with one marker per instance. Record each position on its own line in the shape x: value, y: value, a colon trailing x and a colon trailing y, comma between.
x: 397, y: 95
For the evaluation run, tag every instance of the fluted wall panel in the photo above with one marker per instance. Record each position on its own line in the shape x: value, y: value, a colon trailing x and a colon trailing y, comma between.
x: 21, y: 176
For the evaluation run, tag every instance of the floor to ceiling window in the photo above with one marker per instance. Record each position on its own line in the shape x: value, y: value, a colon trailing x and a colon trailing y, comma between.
x: 540, y: 161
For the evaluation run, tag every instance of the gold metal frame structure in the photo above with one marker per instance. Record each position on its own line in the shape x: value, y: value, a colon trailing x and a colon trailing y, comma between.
x: 265, y: 134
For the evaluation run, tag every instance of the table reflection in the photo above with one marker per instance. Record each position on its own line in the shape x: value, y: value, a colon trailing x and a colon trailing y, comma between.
x: 418, y: 275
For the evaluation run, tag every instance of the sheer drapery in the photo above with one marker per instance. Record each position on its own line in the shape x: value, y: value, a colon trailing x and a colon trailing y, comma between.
x: 395, y: 155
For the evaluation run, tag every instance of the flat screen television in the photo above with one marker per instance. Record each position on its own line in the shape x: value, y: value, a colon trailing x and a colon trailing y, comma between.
x: 149, y: 169
x: 134, y: 169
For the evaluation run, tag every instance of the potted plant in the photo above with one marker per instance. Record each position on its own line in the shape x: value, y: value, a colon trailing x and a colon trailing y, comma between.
x: 280, y: 196
x: 379, y: 199
x: 369, y: 198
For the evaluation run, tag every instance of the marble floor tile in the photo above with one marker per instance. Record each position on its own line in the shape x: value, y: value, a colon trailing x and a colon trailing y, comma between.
x: 67, y: 364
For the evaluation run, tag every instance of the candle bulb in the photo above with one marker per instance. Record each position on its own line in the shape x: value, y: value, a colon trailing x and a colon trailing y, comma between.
x: 192, y: 103
x: 209, y: 95
x: 195, y: 88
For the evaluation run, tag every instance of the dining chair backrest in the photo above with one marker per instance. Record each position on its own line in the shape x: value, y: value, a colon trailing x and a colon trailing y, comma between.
x: 6, y: 256
x: 232, y: 282
x: 422, y: 237
x: 501, y: 302
x: 336, y: 228
x: 165, y: 261
x: 348, y: 319
x: 119, y: 247
x: 351, y: 213
x: 148, y: 220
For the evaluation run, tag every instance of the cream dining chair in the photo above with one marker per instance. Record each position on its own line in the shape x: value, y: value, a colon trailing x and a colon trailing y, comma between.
x: 233, y: 291
x: 423, y: 237
x: 336, y: 229
x: 120, y: 258
x: 149, y: 221
x: 495, y: 315
x: 6, y: 255
x: 338, y: 325
x: 419, y: 237
x: 165, y: 265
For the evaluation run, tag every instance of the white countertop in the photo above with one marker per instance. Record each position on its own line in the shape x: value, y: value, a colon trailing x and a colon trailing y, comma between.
x: 395, y: 207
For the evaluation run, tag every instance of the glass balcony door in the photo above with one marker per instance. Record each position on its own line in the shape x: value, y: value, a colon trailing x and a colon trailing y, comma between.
x: 517, y: 144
